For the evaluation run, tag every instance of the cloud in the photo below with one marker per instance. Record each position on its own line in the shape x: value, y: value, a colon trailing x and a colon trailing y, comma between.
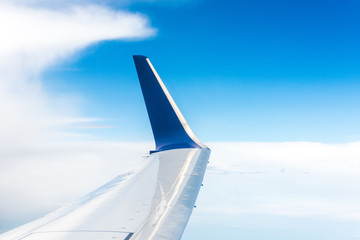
x: 290, y: 179
x: 287, y: 157
x: 34, y: 36
x: 47, y: 36
x: 279, y: 190
x: 44, y: 178
x: 318, y: 184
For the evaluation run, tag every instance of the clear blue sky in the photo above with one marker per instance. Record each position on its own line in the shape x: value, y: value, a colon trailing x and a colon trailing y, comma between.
x: 250, y: 70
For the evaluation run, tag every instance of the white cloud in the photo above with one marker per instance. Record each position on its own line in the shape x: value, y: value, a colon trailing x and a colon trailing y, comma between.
x: 292, y: 179
x: 290, y: 190
x: 309, y: 182
x: 34, y: 36
x: 43, y: 178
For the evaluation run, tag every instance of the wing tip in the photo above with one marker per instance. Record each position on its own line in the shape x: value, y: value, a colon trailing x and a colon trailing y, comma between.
x: 138, y: 57
x: 169, y: 127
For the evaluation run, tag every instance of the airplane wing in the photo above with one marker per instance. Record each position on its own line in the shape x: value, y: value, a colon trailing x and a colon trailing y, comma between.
x: 153, y: 203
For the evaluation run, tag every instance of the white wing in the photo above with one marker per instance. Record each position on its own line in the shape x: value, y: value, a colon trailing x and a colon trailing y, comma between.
x: 153, y: 203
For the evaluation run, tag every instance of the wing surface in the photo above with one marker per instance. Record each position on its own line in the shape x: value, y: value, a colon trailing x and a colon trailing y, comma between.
x: 153, y: 203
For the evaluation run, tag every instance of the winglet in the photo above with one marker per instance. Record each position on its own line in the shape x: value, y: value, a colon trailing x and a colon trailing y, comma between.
x: 169, y: 127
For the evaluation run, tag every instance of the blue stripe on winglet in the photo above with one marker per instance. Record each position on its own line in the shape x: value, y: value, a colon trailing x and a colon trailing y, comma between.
x: 168, y: 125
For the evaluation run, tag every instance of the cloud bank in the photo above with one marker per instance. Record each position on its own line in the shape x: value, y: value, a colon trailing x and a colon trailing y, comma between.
x: 42, y: 178
x: 36, y: 37
x: 274, y: 190
x: 248, y: 187
x: 295, y: 179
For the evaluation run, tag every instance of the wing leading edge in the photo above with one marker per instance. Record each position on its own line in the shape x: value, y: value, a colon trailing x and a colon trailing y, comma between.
x: 153, y: 203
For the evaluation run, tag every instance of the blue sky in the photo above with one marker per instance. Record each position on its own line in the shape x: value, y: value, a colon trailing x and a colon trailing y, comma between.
x: 239, y: 70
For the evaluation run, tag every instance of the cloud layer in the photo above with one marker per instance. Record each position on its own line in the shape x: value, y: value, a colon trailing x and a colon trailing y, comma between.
x: 290, y: 190
x: 42, y: 178
x: 296, y: 179
x: 248, y: 187
x: 34, y: 38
